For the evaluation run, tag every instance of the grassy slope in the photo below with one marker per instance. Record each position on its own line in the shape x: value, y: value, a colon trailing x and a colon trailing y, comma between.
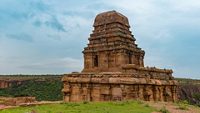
x: 95, y: 107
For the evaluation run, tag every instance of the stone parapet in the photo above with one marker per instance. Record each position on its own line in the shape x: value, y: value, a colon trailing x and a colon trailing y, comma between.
x: 114, y: 79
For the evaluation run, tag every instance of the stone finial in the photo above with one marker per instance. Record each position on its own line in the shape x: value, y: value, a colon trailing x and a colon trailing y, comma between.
x: 110, y: 17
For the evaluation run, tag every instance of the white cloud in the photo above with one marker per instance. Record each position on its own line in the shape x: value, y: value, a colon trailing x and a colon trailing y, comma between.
x: 157, y: 25
x: 39, y: 66
x: 185, y: 5
x: 138, y: 7
x: 53, y: 63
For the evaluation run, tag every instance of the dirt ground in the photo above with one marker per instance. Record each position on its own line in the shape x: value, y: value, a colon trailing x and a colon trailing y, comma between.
x: 29, y: 104
x: 173, y: 107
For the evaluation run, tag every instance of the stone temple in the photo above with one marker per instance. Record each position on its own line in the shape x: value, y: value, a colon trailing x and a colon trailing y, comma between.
x: 114, y: 67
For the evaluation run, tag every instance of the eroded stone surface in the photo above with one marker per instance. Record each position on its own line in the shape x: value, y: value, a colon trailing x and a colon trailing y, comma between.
x: 8, y: 83
x: 9, y: 101
x: 114, y: 67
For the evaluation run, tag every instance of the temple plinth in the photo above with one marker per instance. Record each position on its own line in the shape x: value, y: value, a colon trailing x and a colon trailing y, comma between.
x: 114, y: 67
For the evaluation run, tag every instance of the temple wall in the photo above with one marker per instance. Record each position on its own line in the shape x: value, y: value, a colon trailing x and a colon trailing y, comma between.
x: 113, y: 92
x: 112, y: 87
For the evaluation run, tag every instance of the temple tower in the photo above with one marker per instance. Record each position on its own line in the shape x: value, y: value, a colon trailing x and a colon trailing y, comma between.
x: 111, y: 45
x: 114, y: 67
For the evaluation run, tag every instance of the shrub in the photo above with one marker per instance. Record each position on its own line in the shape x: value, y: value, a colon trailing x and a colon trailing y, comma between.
x: 196, y: 96
x: 85, y: 102
x: 183, y: 105
x: 164, y: 110
x: 146, y: 105
x: 140, y: 102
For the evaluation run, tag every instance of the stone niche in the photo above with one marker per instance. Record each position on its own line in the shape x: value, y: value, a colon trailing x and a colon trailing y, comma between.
x: 114, y: 67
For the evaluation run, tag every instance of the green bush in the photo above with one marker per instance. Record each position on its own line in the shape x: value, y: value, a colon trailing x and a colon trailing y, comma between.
x: 140, y: 102
x: 196, y: 96
x: 146, y: 105
x: 183, y: 104
x: 164, y: 110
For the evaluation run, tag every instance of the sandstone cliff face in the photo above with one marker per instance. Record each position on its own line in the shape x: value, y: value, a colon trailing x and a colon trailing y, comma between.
x: 190, y: 93
x: 189, y: 89
x: 8, y: 83
x: 9, y: 101
x: 4, y: 84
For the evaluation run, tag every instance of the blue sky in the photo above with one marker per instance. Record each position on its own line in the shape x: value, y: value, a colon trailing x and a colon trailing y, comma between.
x: 48, y: 36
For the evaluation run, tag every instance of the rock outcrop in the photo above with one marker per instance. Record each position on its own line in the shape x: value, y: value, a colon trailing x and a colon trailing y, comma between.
x: 9, y: 101
x: 8, y: 83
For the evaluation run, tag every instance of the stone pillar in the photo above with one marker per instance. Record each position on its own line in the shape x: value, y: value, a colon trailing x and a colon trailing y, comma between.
x: 66, y: 97
x: 141, y: 61
x: 174, y: 93
x: 167, y: 93
x: 128, y: 92
x: 105, y: 92
x: 159, y: 93
x: 150, y: 91
x: 141, y: 92
x: 122, y: 86
x: 76, y: 93
x: 85, y: 92
x: 88, y: 64
x: 162, y: 93
x: 66, y: 92
x: 116, y: 93
x: 156, y: 93
x: 95, y: 93
x: 104, y: 61
x: 134, y: 91
x: 148, y: 94
x: 121, y: 58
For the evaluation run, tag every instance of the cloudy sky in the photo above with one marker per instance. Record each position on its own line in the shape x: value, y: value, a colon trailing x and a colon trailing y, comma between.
x: 48, y: 36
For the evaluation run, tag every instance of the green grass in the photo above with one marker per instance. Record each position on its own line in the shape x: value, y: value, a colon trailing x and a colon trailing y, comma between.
x: 88, y: 107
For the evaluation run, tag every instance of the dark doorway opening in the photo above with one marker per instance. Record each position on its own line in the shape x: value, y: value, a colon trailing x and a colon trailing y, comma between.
x: 96, y: 63
x: 130, y: 58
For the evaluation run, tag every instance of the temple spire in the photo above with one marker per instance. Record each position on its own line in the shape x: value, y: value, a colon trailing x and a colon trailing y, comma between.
x: 111, y: 45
